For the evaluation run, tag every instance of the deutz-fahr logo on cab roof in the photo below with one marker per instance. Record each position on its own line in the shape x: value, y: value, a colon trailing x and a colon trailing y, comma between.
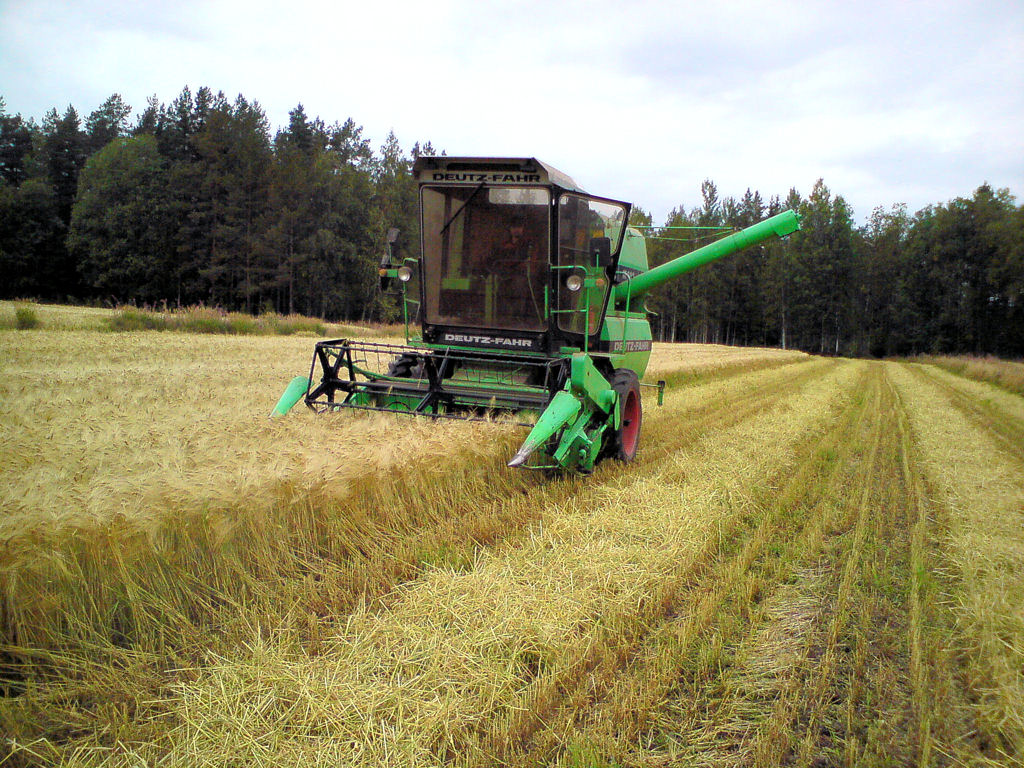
x: 493, y: 178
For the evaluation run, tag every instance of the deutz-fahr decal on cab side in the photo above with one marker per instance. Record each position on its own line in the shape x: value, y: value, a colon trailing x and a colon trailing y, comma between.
x: 641, y: 345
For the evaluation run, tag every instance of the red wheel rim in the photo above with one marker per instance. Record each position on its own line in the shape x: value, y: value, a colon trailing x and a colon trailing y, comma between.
x: 630, y: 423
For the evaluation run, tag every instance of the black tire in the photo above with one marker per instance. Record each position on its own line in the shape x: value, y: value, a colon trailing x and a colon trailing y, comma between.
x: 402, y: 367
x: 625, y: 440
x: 411, y: 367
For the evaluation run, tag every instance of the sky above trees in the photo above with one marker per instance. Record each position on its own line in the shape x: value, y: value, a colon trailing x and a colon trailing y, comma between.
x: 888, y: 102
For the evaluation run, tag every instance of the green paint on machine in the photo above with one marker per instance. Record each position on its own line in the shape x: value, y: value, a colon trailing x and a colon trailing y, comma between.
x: 528, y: 297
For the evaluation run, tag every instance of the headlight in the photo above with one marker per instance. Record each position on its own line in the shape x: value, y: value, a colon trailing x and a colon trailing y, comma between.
x: 404, y: 274
x: 574, y: 282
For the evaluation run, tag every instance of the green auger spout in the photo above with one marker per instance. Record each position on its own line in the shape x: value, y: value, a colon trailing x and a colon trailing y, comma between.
x: 779, y: 225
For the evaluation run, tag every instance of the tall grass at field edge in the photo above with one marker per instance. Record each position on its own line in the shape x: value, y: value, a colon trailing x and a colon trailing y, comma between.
x: 209, y: 320
x: 729, y: 369
x: 1003, y: 373
x: 96, y: 615
x: 67, y: 317
x: 25, y: 318
x: 155, y: 587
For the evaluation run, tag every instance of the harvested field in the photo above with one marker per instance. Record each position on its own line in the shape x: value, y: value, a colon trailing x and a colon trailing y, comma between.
x: 812, y: 562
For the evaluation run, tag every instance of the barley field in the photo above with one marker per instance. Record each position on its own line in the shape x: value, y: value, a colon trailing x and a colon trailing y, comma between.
x: 812, y: 562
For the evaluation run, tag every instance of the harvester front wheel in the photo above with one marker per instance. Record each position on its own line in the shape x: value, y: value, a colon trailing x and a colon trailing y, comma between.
x: 627, y: 437
x: 405, y: 367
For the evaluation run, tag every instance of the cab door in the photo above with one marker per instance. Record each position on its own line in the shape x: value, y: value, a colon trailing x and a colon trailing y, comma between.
x: 589, y: 237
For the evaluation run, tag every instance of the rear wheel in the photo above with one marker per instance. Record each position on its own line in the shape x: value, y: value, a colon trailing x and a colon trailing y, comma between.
x: 626, y: 438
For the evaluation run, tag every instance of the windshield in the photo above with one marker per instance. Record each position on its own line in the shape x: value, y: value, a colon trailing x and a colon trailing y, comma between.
x: 485, y: 256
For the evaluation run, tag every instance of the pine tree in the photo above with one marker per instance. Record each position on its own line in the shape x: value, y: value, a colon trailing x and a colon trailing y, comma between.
x: 175, y: 128
x: 15, y: 147
x: 150, y: 117
x: 64, y: 150
x: 108, y: 122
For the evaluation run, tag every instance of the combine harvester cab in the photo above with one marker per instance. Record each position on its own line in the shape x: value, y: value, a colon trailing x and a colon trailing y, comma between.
x: 529, y: 300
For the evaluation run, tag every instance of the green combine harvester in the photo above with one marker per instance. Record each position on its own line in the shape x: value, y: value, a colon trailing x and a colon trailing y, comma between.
x: 528, y: 295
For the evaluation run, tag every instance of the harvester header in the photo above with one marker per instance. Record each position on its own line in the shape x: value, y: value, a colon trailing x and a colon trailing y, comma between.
x: 526, y: 297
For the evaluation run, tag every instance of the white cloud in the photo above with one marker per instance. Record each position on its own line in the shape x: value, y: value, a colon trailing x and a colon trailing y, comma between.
x: 916, y: 102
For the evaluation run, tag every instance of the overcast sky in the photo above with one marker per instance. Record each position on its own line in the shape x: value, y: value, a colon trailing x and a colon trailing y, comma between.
x: 889, y: 102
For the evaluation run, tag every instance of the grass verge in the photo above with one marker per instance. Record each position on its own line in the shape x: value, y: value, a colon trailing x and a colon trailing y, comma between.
x: 1003, y: 373
x: 209, y: 320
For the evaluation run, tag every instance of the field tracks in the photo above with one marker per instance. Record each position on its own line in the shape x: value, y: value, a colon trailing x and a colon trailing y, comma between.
x: 922, y: 699
x: 653, y: 669
x: 692, y: 658
x: 819, y: 736
x: 824, y: 638
x: 971, y: 477
x: 995, y: 411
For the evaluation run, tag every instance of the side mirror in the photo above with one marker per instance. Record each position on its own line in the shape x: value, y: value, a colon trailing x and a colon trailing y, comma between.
x: 601, y: 251
x: 385, y: 270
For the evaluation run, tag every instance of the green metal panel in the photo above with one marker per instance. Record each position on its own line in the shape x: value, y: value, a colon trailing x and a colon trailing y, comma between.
x: 587, y: 382
x: 629, y: 341
x: 633, y: 256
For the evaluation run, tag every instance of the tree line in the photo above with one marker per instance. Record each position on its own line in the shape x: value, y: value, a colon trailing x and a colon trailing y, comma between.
x: 197, y: 202
x: 948, y: 279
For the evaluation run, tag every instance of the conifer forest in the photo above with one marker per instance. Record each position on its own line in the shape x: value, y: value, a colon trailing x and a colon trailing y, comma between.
x: 199, y: 202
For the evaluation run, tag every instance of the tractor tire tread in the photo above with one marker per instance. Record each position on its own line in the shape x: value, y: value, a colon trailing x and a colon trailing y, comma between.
x: 626, y: 383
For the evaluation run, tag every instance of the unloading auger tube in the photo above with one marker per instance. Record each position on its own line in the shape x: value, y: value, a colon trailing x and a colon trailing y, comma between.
x: 526, y: 297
